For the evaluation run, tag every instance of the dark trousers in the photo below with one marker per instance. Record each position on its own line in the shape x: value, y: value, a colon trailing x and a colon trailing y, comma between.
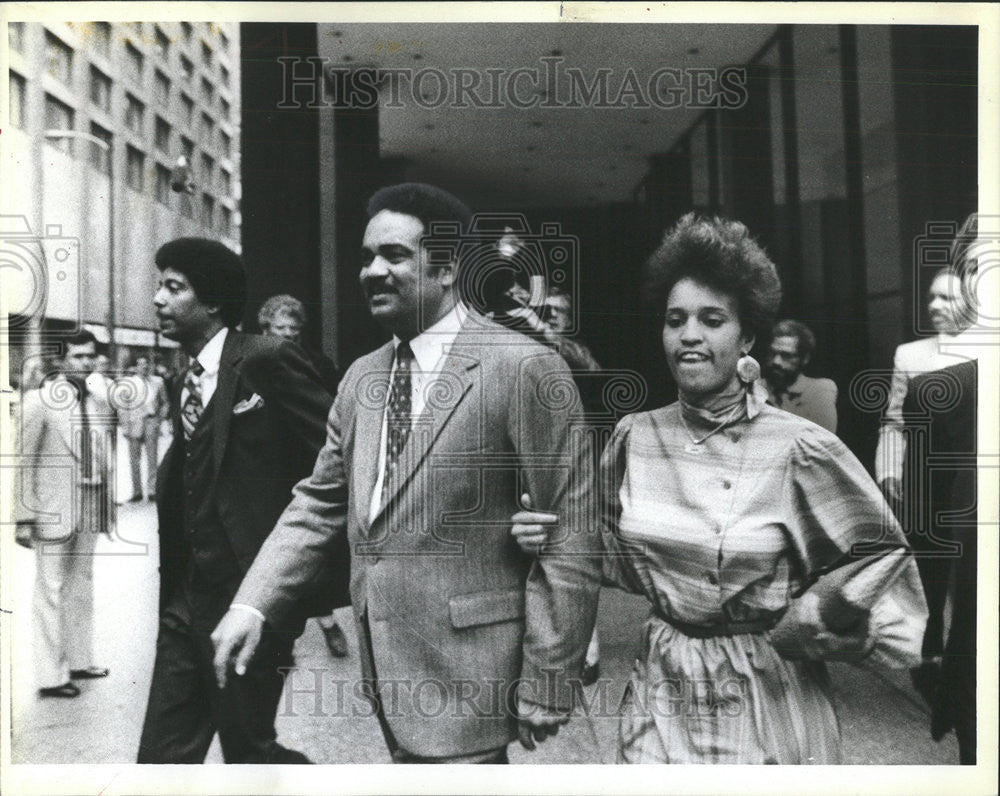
x: 186, y: 706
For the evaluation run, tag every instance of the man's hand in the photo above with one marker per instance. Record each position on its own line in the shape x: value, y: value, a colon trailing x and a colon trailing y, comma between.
x: 892, y: 489
x: 236, y: 636
x: 531, y: 528
x: 535, y: 723
x: 24, y: 533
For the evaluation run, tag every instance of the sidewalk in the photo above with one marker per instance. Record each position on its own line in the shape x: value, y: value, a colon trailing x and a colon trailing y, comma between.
x: 882, y: 718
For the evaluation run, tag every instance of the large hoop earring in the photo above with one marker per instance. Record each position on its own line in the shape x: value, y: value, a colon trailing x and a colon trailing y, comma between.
x: 747, y: 369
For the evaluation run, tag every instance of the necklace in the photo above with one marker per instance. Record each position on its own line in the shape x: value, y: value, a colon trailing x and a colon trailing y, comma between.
x: 694, y: 445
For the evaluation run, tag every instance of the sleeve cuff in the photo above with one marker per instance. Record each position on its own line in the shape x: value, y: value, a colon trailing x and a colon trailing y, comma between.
x: 249, y: 609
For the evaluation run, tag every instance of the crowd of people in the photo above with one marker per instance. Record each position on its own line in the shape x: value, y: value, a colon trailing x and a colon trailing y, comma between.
x: 290, y: 489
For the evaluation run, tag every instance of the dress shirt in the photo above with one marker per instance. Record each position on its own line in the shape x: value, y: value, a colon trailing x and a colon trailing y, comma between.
x: 209, y: 358
x: 429, y: 350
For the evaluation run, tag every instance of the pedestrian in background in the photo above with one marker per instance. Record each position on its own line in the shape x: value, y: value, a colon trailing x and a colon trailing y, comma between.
x: 791, y: 347
x: 285, y: 316
x: 140, y: 415
x: 62, y: 503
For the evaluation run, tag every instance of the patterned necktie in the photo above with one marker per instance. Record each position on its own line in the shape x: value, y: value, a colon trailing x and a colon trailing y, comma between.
x: 398, y: 413
x: 193, y: 407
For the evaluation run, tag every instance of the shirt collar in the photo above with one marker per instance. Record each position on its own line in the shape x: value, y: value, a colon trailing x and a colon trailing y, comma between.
x: 211, y: 354
x: 436, y: 340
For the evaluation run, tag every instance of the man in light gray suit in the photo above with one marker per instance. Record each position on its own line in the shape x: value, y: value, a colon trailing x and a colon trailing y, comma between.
x: 465, y: 641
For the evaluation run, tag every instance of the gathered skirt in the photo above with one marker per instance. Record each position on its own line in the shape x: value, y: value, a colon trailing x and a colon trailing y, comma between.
x: 727, y: 699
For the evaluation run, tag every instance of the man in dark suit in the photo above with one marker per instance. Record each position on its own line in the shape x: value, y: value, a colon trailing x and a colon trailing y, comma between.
x: 431, y: 441
x: 249, y: 417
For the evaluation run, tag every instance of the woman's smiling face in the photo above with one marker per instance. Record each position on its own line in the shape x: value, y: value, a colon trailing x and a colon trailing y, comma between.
x: 703, y: 338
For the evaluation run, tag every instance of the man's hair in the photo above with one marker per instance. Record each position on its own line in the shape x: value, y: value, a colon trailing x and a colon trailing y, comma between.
x: 426, y: 202
x: 720, y: 254
x: 82, y: 337
x: 282, y: 304
x: 215, y: 272
x: 801, y: 332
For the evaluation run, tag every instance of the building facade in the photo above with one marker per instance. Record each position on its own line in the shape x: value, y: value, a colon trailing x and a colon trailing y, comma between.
x: 152, y: 92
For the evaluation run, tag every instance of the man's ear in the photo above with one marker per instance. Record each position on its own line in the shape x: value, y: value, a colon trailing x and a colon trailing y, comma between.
x: 446, y: 273
x: 805, y: 359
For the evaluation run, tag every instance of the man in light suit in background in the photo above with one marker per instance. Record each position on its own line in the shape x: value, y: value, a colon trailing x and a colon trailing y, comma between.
x: 140, y: 421
x: 62, y: 503
x: 431, y: 441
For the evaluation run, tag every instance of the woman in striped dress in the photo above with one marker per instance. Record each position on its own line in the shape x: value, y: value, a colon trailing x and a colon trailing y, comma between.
x: 741, y: 524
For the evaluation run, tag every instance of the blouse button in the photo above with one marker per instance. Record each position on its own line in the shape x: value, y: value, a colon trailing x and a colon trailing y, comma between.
x: 711, y: 578
x: 735, y: 438
x: 726, y: 484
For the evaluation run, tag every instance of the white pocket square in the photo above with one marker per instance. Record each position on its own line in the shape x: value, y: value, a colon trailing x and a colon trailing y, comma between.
x: 249, y: 405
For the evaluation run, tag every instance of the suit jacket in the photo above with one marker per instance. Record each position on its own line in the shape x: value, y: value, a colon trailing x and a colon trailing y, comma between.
x: 258, y: 455
x: 911, y: 359
x: 450, y: 611
x: 139, y: 399
x: 51, y: 487
x: 813, y: 399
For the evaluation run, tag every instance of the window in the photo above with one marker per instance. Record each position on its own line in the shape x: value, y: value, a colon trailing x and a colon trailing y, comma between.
x: 226, y: 220
x: 207, y: 127
x: 100, y: 89
x: 15, y: 36
x: 207, y: 171
x: 135, y: 61
x: 207, y: 210
x: 206, y: 55
x: 100, y: 158
x: 224, y: 76
x: 100, y: 37
x: 225, y: 107
x: 162, y: 88
x: 135, y: 110
x: 225, y: 182
x: 207, y: 91
x: 226, y: 142
x: 162, y: 184
x: 187, y: 68
x: 188, y: 104
x: 17, y: 89
x: 162, y: 44
x: 187, y: 30
x: 135, y: 163
x: 59, y: 116
x: 162, y: 135
x: 59, y: 57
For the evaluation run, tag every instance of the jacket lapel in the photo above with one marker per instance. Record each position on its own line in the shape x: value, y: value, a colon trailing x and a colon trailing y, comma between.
x: 456, y: 379
x: 368, y: 431
x: 225, y: 390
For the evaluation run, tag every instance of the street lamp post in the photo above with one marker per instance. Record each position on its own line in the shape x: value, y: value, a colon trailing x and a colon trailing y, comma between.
x: 108, y: 148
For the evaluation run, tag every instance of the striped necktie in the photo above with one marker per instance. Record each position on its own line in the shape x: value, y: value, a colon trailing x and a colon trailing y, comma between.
x: 398, y: 412
x: 193, y: 407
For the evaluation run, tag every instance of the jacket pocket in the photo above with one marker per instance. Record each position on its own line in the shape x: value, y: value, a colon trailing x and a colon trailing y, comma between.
x: 486, y: 607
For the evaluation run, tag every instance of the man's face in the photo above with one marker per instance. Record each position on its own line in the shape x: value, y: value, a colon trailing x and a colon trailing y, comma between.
x: 558, y: 314
x: 79, y: 359
x: 142, y: 366
x: 181, y: 314
x: 285, y: 326
x: 404, y: 293
x: 784, y: 362
x: 946, y: 305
